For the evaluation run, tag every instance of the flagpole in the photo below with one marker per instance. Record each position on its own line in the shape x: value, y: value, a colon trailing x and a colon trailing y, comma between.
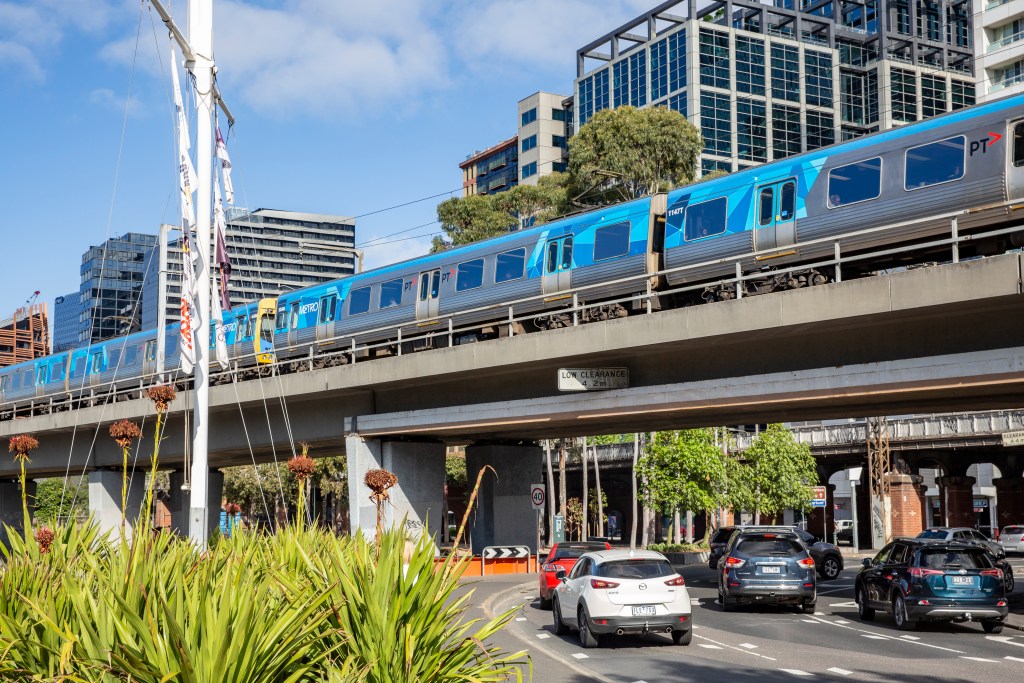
x: 200, y: 25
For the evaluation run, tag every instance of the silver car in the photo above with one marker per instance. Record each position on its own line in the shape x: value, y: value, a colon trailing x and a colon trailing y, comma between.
x: 965, y: 534
x: 1011, y: 538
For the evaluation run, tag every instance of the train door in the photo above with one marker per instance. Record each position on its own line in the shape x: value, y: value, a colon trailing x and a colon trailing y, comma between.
x: 776, y: 216
x: 243, y: 330
x: 557, y: 265
x: 427, y: 301
x: 293, y: 323
x: 1015, y: 165
x: 263, y: 343
x: 95, y: 367
x: 42, y: 370
x: 327, y: 313
x: 149, y: 358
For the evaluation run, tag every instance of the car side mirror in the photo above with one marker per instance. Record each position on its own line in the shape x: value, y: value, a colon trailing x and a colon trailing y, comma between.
x: 866, y: 562
x: 560, y: 574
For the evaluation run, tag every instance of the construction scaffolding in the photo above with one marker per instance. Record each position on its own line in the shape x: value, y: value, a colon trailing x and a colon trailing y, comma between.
x: 25, y: 335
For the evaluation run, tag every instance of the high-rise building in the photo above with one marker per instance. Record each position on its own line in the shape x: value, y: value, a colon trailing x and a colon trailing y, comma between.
x: 543, y: 136
x: 764, y: 80
x: 25, y: 335
x: 112, y: 277
x: 999, y: 47
x: 495, y: 169
x: 271, y: 252
x: 66, y: 311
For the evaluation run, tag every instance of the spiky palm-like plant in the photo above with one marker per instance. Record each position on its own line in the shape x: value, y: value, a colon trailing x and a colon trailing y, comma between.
x: 161, y: 396
x: 21, y: 445
x: 124, y: 432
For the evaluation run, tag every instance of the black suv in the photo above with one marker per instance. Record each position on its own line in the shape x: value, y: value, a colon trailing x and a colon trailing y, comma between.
x: 827, y: 557
x: 766, y: 564
x: 925, y: 580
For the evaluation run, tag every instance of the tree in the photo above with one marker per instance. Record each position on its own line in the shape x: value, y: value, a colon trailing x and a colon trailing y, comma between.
x: 626, y: 153
x: 776, y: 474
x: 455, y: 469
x: 48, y: 499
x: 684, y: 470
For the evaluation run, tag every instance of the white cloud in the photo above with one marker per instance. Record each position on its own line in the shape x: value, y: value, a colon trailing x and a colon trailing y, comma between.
x: 20, y: 59
x: 30, y: 33
x: 107, y: 99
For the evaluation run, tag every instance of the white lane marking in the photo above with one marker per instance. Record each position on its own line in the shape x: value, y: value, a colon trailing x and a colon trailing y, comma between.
x: 819, y: 614
x: 838, y: 589
x: 795, y: 672
x: 580, y: 655
x: 841, y: 672
x: 809, y: 621
x: 694, y: 601
x: 980, y: 659
x: 842, y: 621
x: 1013, y: 659
x: 543, y: 635
x: 520, y: 618
x: 749, y: 646
x: 710, y: 647
x: 1005, y: 639
x: 844, y: 604
x: 910, y: 637
x: 873, y: 637
x: 885, y: 637
x: 719, y: 645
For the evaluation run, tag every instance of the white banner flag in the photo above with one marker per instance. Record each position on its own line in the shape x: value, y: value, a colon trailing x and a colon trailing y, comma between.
x: 225, y: 168
x: 186, y: 172
x: 189, y: 314
x: 221, y: 345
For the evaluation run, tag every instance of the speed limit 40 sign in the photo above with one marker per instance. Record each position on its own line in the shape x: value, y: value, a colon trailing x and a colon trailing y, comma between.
x: 538, y: 496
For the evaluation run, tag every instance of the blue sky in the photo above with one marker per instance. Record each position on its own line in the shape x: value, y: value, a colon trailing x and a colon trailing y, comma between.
x: 343, y: 107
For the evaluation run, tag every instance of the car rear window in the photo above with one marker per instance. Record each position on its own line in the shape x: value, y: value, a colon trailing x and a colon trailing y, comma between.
x: 722, y: 535
x: 634, y: 569
x: 768, y: 545
x: 571, y: 552
x: 938, y: 558
x: 1013, y: 530
x: 933, y: 533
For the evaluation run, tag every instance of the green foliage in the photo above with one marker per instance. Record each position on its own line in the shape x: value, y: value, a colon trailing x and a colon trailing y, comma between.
x: 609, y: 439
x: 48, y: 500
x: 777, y: 474
x: 298, y: 606
x: 625, y: 153
x: 678, y: 547
x: 684, y: 470
x: 455, y: 469
x: 573, y: 519
x: 594, y: 509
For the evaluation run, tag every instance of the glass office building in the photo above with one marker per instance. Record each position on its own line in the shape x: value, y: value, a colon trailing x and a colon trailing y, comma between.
x: 763, y: 81
x: 493, y: 170
x: 112, y: 277
x: 65, y: 321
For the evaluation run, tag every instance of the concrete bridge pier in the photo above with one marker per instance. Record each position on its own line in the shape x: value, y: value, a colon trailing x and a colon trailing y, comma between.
x: 417, y: 498
x: 10, y: 506
x: 180, y: 502
x: 105, y: 498
x: 504, y: 514
x: 957, y: 495
x: 907, y: 504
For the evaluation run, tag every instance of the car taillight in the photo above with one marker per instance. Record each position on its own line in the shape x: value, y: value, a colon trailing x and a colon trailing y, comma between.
x: 998, y: 573
x: 678, y: 581
x: 807, y: 562
x: 734, y: 562
x: 919, y: 573
x: 599, y: 584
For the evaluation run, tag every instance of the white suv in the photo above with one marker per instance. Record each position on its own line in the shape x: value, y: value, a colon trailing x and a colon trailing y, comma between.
x: 622, y: 591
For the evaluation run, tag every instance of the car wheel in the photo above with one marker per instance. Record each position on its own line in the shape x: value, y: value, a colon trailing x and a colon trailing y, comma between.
x: 545, y: 603
x: 685, y: 637
x: 866, y: 613
x: 587, y: 637
x: 830, y: 568
x: 724, y: 601
x: 899, y: 614
x: 1008, y: 582
x: 992, y: 626
x: 808, y: 607
x: 556, y: 614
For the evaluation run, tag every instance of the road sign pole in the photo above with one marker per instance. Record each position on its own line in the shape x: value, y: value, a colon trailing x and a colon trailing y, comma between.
x: 536, y: 563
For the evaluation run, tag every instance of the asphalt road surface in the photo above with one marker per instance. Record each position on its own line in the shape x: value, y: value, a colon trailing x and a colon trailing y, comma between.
x: 759, y: 643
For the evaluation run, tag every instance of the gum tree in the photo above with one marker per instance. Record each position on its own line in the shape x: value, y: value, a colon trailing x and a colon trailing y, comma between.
x: 777, y: 474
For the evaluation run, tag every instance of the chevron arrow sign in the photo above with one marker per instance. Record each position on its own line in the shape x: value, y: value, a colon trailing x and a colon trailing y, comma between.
x: 506, y: 551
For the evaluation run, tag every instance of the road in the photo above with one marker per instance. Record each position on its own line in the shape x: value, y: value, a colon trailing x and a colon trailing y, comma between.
x: 760, y: 643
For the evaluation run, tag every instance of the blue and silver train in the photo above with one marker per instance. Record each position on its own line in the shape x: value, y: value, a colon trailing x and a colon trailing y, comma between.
x: 894, y: 188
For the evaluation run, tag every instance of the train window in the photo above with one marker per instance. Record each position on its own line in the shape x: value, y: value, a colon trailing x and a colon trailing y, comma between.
x: 611, y: 241
x: 77, y: 366
x: 131, y: 355
x: 3, y: 384
x: 57, y: 372
x: 240, y: 327
x: 567, y: 253
x: 787, y: 201
x: 293, y: 315
x: 767, y: 206
x: 115, y: 357
x: 359, y: 301
x: 552, y: 260
x: 471, y: 275
x: 509, y: 265
x: 391, y: 293
x: 250, y: 326
x: 40, y: 375
x: 935, y: 163
x: 856, y: 182
x: 1018, y: 144
x: 281, y: 318
x: 97, y: 362
x: 705, y: 219
x: 327, y: 309
x: 435, y: 284
x: 150, y: 351
x: 26, y: 379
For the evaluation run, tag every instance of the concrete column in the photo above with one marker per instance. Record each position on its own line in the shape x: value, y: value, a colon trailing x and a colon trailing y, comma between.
x: 179, y: 504
x: 504, y: 514
x: 417, y: 498
x: 907, y: 504
x: 957, y: 494
x: 1010, y: 497
x: 105, y: 499
x: 11, y: 514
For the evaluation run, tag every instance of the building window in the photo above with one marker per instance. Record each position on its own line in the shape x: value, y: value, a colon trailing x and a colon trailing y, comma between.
x: 391, y: 293
x: 935, y: 163
x: 638, y: 79
x: 558, y: 141
x: 749, y: 65
x: 470, y: 275
x: 855, y: 182
x: 611, y: 241
x: 529, y: 116
x: 359, y: 301
x: 928, y: 25
x: 820, y: 130
x: 558, y: 115
x: 1008, y: 75
x: 818, y: 78
x: 751, y: 130
x: 963, y: 94
x: 714, y: 59
x: 904, y: 95
x: 933, y: 95
x: 705, y: 219
x: 593, y: 95
x: 677, y: 61
x: 785, y: 72
x: 509, y: 265
x: 659, y: 69
x: 529, y: 143
x: 715, y: 123
x: 678, y: 103
x: 559, y: 166
x: 530, y: 169
x: 620, y: 83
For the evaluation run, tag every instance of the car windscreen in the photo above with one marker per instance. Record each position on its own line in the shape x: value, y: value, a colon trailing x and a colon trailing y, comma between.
x: 572, y: 552
x: 1013, y: 530
x: 933, y: 533
x: 768, y: 545
x: 942, y: 558
x: 722, y: 536
x: 634, y: 569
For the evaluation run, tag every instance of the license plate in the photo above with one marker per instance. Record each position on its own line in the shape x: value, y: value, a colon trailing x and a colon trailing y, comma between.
x: 643, y: 611
x: 771, y: 570
x: 963, y: 580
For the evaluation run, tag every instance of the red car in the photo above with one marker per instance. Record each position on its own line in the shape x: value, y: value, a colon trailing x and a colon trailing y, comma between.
x: 563, y: 556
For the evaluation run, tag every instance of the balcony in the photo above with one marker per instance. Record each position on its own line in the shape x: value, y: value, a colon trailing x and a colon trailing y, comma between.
x: 1003, y: 42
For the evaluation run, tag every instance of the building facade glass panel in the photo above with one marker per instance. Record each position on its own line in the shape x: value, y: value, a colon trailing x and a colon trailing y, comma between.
x: 715, y: 125
x: 904, y: 95
x: 677, y: 61
x: 962, y: 94
x: 714, y: 59
x: 818, y: 78
x: 638, y: 79
x: 786, y: 137
x: 749, y: 65
x: 820, y: 130
x: 785, y: 72
x: 620, y: 83
x: 933, y: 95
x: 678, y: 103
x: 659, y: 69
x: 751, y: 130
